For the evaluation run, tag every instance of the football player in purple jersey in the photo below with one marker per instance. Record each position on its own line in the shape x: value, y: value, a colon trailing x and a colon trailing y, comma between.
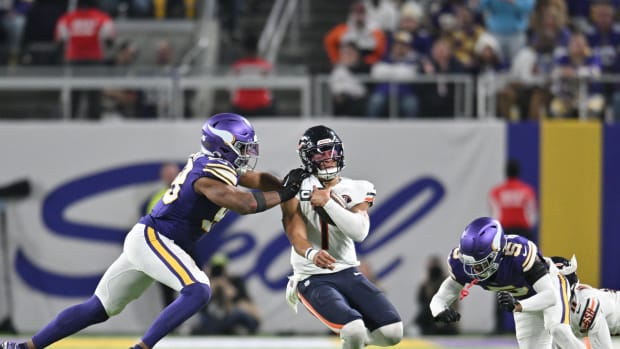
x: 159, y: 247
x: 513, y: 267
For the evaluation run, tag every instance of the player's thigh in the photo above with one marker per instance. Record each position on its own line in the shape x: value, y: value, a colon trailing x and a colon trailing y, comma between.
x: 120, y: 284
x: 530, y: 331
x: 326, y: 303
x: 370, y: 301
x: 560, y: 312
x: 162, y: 259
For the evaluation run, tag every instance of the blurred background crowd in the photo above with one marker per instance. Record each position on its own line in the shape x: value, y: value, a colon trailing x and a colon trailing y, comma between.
x: 512, y: 59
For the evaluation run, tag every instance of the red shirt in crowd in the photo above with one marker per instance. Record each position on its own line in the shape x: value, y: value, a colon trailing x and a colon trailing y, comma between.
x: 84, y: 32
x: 514, y: 204
x: 251, y: 98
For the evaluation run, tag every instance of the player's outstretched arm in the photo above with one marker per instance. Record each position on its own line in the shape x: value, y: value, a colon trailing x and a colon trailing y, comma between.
x: 244, y: 202
x: 592, y: 323
x: 540, y: 279
x: 260, y: 180
x: 445, y: 296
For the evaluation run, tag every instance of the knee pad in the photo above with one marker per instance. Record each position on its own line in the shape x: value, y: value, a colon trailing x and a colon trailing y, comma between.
x: 353, y: 334
x: 200, y: 293
x: 388, y: 335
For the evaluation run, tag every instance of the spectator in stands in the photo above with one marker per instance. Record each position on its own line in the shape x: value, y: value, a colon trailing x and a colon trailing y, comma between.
x: 252, y: 101
x: 366, y: 35
x: 488, y: 56
x: 571, y: 72
x: 122, y: 102
x: 154, y: 102
x: 231, y: 310
x: 410, y: 20
x: 13, y: 21
x: 384, y: 13
x: 402, y: 63
x: 527, y: 95
x: 85, y: 44
x: 464, y: 36
x: 550, y: 19
x: 38, y: 46
x: 348, y: 92
x: 508, y: 21
x: 603, y: 35
x: 438, y: 97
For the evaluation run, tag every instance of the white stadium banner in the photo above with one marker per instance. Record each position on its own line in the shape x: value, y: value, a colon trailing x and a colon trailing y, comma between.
x: 89, y: 181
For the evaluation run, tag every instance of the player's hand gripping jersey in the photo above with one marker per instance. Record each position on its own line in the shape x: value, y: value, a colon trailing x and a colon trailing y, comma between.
x: 182, y: 214
x: 327, y: 236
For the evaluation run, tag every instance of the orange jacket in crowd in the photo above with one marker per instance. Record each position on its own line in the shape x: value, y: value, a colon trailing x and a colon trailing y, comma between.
x: 370, y: 41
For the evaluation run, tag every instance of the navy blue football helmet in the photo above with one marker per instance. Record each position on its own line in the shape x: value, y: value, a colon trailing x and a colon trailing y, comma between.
x: 231, y: 137
x: 481, y: 246
x: 568, y: 268
x: 318, y: 144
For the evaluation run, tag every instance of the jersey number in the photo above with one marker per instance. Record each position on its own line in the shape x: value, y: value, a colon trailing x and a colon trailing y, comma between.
x: 175, y: 187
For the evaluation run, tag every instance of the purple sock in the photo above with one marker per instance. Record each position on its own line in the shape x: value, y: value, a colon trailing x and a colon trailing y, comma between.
x: 191, y: 300
x: 70, y: 321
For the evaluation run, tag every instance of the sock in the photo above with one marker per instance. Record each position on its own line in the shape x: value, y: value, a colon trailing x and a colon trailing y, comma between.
x: 190, y: 301
x: 70, y: 321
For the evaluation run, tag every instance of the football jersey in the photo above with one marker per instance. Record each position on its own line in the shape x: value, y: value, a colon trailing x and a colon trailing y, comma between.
x: 589, y: 306
x: 340, y: 246
x: 182, y: 214
x: 519, y: 256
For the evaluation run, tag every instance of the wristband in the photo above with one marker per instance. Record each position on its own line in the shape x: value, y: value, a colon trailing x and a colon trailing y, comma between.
x: 310, y: 254
x: 261, y: 205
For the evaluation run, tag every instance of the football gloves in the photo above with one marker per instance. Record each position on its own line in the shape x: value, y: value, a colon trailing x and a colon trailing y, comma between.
x: 291, y: 183
x: 506, y: 301
x: 448, y: 315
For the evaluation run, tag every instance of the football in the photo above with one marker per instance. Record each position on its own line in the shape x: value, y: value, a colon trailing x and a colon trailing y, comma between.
x: 321, y: 211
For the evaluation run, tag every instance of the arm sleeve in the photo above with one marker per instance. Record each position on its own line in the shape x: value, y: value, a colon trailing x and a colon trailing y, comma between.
x: 445, y: 296
x: 599, y: 334
x: 543, y: 298
x: 353, y: 224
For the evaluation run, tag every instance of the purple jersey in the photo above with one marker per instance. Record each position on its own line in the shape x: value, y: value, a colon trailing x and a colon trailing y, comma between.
x: 519, y: 256
x: 182, y: 214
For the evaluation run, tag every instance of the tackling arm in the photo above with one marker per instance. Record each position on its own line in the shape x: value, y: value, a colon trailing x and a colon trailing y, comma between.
x: 260, y: 180
x: 232, y: 198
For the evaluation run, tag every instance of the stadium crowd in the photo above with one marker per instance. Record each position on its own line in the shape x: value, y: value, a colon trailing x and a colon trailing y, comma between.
x: 545, y: 58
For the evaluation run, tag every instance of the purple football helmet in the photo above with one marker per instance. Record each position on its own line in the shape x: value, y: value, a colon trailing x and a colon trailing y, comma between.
x: 318, y: 144
x: 481, y: 246
x: 231, y: 137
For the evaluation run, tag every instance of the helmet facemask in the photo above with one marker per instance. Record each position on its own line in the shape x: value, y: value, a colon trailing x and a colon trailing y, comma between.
x: 317, y: 156
x: 482, y: 269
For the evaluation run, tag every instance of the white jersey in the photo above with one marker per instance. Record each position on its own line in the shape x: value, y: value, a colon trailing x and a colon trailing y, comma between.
x: 340, y: 246
x: 595, y: 313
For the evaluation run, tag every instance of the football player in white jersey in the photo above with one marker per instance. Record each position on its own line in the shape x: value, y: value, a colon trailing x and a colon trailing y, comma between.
x: 323, y: 222
x: 594, y: 312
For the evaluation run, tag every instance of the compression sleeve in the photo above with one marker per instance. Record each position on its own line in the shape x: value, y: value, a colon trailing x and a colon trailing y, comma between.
x: 353, y: 224
x: 446, y: 295
x: 543, y: 298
